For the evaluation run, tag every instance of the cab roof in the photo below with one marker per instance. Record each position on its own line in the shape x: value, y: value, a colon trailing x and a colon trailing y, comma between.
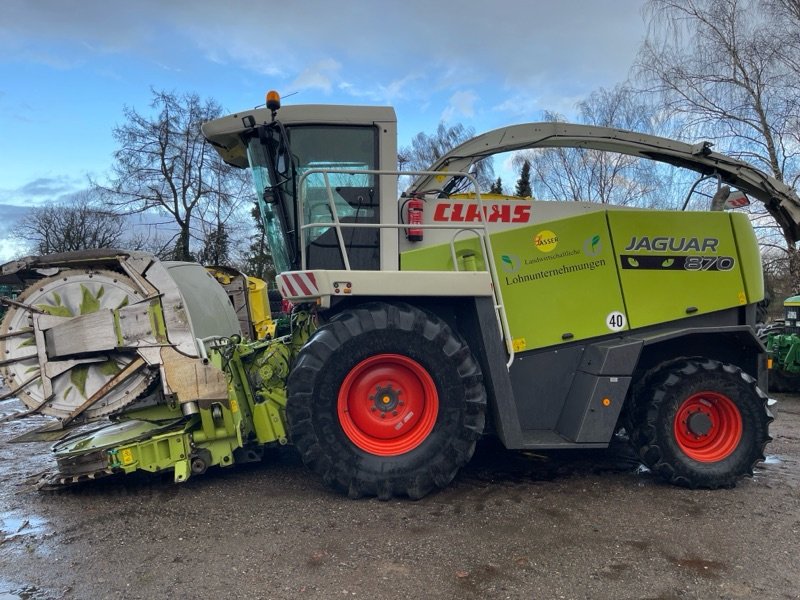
x: 225, y: 133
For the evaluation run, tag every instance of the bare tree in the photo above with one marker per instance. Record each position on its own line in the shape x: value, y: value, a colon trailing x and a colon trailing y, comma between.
x: 427, y: 149
x: 76, y: 224
x: 595, y: 175
x: 729, y: 70
x: 164, y: 164
x: 225, y: 222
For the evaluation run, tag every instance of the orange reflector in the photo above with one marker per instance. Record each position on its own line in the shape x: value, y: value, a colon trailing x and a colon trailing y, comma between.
x: 769, y: 363
x: 606, y: 401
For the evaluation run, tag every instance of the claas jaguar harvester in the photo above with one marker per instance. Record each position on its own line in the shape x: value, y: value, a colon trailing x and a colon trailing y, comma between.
x: 418, y: 323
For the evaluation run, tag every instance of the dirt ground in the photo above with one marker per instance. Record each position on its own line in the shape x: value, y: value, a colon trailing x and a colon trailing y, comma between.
x: 512, y: 525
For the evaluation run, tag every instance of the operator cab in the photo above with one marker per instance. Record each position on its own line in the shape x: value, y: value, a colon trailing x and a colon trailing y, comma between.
x: 309, y: 158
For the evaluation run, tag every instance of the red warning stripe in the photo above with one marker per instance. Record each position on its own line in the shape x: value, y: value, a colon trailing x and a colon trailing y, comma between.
x: 298, y: 284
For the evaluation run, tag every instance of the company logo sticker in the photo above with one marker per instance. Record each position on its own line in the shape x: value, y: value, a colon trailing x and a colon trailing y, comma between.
x: 466, y: 212
x: 593, y: 246
x: 510, y: 263
x: 545, y: 241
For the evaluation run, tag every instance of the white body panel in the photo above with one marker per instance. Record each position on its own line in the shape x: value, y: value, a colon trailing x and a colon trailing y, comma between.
x: 321, y: 285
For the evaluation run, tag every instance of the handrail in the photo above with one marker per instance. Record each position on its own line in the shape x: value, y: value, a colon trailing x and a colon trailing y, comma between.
x: 337, y: 224
x: 499, y: 309
x: 453, y: 245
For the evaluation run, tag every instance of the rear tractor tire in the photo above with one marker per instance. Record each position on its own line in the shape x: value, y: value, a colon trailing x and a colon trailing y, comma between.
x: 386, y: 400
x: 700, y: 423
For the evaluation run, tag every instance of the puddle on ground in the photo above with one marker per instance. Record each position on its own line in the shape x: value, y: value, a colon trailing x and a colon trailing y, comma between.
x: 10, y: 407
x: 15, y: 591
x: 776, y: 468
x: 13, y: 526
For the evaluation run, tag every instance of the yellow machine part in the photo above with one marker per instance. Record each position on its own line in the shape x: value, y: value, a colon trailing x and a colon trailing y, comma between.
x: 259, y: 307
x: 252, y: 305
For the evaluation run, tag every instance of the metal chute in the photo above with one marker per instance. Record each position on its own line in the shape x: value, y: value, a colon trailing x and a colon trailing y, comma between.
x: 781, y: 201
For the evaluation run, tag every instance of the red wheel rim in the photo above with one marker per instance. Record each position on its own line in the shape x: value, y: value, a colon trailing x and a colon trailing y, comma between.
x: 388, y: 404
x: 708, y: 427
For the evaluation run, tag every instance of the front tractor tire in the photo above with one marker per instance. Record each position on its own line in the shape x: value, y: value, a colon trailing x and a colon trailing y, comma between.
x: 386, y: 400
x: 700, y: 423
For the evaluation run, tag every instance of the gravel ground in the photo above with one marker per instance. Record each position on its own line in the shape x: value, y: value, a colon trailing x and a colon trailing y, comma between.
x: 513, y: 525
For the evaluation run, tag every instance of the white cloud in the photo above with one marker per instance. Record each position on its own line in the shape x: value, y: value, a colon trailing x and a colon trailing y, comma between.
x: 520, y: 106
x: 534, y: 41
x: 321, y: 76
x: 239, y: 52
x: 391, y: 93
x: 462, y: 104
x: 11, y: 249
x: 42, y: 189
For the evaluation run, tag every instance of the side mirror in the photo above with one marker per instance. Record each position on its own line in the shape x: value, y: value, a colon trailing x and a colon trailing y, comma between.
x: 283, y: 157
x: 274, y: 138
x: 282, y: 161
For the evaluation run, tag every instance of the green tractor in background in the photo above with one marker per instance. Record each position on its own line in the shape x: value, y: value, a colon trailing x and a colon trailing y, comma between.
x: 782, y: 339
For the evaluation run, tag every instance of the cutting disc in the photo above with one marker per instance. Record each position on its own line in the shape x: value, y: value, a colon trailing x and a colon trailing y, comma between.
x: 70, y: 294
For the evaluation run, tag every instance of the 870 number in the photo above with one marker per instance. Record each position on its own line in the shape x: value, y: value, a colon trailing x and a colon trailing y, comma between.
x: 708, y: 263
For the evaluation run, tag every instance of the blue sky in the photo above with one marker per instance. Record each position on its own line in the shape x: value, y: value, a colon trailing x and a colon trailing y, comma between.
x: 68, y: 67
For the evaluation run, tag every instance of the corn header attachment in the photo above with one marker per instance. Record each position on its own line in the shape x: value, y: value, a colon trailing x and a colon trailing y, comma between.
x: 155, y: 346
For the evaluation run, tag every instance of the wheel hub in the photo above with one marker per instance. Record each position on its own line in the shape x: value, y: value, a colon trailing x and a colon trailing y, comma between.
x: 386, y: 399
x: 708, y: 426
x: 699, y: 423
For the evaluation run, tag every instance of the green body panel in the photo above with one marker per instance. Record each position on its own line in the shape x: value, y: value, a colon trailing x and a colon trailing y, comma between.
x: 558, y: 280
x: 610, y: 270
x: 440, y: 258
x: 792, y: 301
x: 674, y: 265
x: 156, y: 453
x: 749, y: 255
